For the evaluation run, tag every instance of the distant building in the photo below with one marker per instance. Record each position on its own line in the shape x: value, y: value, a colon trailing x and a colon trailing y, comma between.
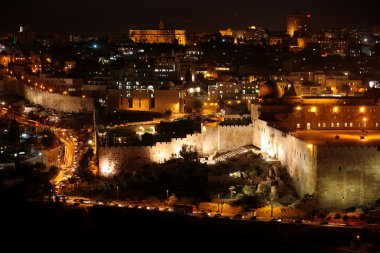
x: 294, y: 23
x: 158, y: 36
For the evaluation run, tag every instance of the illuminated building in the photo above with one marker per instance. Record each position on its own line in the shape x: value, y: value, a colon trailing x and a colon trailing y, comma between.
x: 152, y: 100
x: 158, y: 36
x: 294, y: 23
x: 316, y: 113
x: 251, y: 34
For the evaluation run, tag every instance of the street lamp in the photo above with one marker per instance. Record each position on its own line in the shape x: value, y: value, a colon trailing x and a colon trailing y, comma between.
x: 117, y: 192
x: 167, y: 193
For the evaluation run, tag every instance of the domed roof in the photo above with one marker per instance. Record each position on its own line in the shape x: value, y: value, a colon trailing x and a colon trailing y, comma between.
x: 271, y: 90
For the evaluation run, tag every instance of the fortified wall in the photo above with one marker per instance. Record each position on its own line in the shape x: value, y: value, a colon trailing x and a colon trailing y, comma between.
x: 297, y: 155
x: 348, y: 175
x: 63, y: 103
x: 234, y: 136
x: 113, y: 160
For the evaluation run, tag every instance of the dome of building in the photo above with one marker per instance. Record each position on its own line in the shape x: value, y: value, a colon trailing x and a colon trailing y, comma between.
x: 270, y: 90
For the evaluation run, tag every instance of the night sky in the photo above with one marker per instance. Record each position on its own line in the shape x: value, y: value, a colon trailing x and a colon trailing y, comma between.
x: 109, y: 16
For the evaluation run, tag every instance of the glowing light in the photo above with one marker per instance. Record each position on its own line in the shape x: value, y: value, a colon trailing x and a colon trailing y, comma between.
x: 362, y: 109
x: 298, y: 108
x: 313, y: 109
x: 365, y: 119
x: 310, y: 146
x: 198, y: 89
x: 83, y: 96
x: 50, y: 90
x: 335, y: 109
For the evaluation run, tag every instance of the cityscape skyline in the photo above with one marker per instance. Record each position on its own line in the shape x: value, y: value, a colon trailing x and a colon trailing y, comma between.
x: 102, y: 17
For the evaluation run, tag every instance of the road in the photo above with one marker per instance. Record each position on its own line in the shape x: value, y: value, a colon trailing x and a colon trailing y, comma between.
x: 69, y: 159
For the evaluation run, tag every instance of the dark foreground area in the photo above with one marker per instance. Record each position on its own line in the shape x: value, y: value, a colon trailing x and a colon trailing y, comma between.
x: 42, y: 226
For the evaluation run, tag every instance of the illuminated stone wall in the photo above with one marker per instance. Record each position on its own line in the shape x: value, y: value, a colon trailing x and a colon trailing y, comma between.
x: 210, y: 139
x: 299, y: 156
x: 231, y: 137
x: 168, y: 100
x: 50, y: 100
x: 348, y: 176
x: 113, y: 160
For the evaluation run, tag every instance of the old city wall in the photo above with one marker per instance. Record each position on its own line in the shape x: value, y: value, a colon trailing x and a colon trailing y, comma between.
x: 298, y: 156
x: 235, y: 136
x: 113, y: 160
x: 348, y: 176
x: 54, y: 101
x: 210, y: 139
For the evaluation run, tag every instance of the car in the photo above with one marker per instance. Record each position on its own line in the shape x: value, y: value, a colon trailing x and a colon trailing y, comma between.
x: 276, y: 219
x: 218, y: 215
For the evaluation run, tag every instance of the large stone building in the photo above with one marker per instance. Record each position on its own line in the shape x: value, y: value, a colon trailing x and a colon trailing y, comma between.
x: 158, y: 36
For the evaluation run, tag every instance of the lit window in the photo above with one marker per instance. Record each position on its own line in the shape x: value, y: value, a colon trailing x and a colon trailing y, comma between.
x: 298, y: 125
x: 337, y: 124
x: 377, y: 124
x: 324, y: 124
x: 319, y: 124
x: 351, y: 124
x: 332, y: 124
x: 358, y: 124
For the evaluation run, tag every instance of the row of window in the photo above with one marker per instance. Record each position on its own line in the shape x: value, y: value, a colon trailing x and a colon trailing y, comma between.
x: 337, y: 124
x: 336, y: 109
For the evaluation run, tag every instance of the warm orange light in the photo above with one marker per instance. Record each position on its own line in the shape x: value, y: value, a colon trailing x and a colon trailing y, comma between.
x: 83, y: 96
x: 310, y: 146
x: 64, y: 93
x: 229, y: 102
x: 365, y: 119
x: 335, y: 109
x: 298, y: 108
x: 50, y: 90
x: 362, y: 109
x: 313, y: 109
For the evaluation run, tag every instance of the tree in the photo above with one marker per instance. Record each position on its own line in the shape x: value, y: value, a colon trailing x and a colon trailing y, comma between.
x: 168, y: 113
x: 198, y: 104
x: 47, y: 139
x: 14, y: 131
x: 189, y: 153
x: 83, y: 168
x: 248, y: 190
x: 172, y: 199
x: 221, y: 103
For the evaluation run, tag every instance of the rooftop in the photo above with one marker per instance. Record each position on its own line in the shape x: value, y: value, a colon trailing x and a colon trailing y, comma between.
x: 340, y: 137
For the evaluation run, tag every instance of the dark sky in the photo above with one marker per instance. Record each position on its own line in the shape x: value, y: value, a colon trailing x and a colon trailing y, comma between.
x: 108, y: 16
